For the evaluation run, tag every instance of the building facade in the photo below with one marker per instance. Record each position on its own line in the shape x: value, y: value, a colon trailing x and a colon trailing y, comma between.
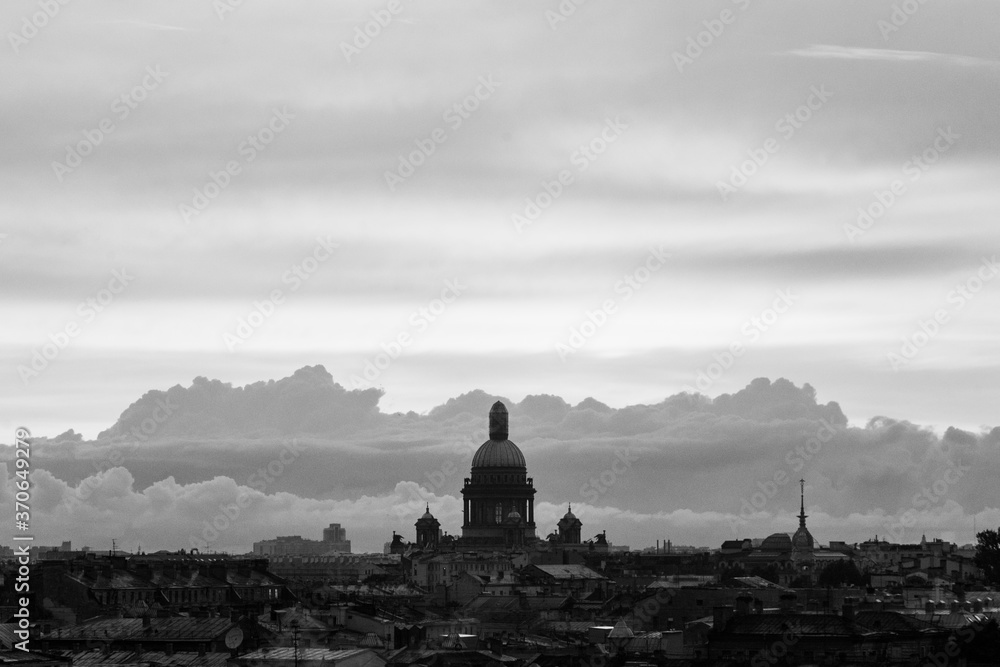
x: 499, y: 497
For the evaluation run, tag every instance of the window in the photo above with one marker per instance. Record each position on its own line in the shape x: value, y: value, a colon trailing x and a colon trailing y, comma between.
x: 498, y: 515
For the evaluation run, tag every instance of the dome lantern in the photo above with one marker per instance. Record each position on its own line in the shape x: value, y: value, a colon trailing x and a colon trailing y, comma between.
x: 498, y: 422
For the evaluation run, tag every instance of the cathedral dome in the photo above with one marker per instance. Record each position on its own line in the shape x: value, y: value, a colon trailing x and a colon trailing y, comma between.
x: 498, y: 451
x: 498, y: 454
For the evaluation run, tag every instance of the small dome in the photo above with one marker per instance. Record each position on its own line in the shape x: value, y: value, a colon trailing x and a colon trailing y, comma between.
x: 777, y: 542
x: 569, y: 513
x: 514, y: 514
x: 498, y: 454
x: 427, y: 518
x: 802, y: 539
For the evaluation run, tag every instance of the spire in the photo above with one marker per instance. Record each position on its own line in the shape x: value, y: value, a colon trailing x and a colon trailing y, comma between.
x: 802, y: 511
x: 498, y: 422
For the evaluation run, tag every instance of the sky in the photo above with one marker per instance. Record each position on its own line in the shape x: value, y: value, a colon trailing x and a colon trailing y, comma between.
x: 617, y: 200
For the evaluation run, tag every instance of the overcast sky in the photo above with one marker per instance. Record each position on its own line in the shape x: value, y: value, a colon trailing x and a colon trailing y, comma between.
x: 116, y: 116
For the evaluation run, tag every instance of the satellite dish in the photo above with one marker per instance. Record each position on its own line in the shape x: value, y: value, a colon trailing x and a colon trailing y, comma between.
x: 234, y: 638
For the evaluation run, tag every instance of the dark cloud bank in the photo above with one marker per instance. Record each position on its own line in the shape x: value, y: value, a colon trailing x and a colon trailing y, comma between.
x: 688, y: 452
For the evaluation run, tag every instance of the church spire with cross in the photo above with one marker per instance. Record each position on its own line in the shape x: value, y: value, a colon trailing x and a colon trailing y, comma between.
x: 802, y: 507
x: 802, y: 540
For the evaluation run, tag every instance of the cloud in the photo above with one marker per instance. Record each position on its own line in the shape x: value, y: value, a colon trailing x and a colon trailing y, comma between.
x: 142, y: 24
x: 726, y: 460
x: 309, y: 401
x: 891, y: 55
x: 222, y: 515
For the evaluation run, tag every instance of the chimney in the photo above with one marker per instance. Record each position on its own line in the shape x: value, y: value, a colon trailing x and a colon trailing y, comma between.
x: 848, y: 609
x: 787, y: 602
x: 743, y: 604
x: 977, y: 605
x: 929, y: 606
x: 168, y: 649
x: 758, y: 606
x: 720, y: 617
x: 145, y: 620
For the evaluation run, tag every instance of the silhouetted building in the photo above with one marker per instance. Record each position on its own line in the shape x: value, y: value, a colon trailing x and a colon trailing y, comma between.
x: 428, y: 530
x: 499, y: 508
x: 569, y: 528
x: 334, y: 539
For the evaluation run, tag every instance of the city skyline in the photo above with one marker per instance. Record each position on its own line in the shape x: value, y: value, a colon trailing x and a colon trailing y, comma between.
x: 733, y: 244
